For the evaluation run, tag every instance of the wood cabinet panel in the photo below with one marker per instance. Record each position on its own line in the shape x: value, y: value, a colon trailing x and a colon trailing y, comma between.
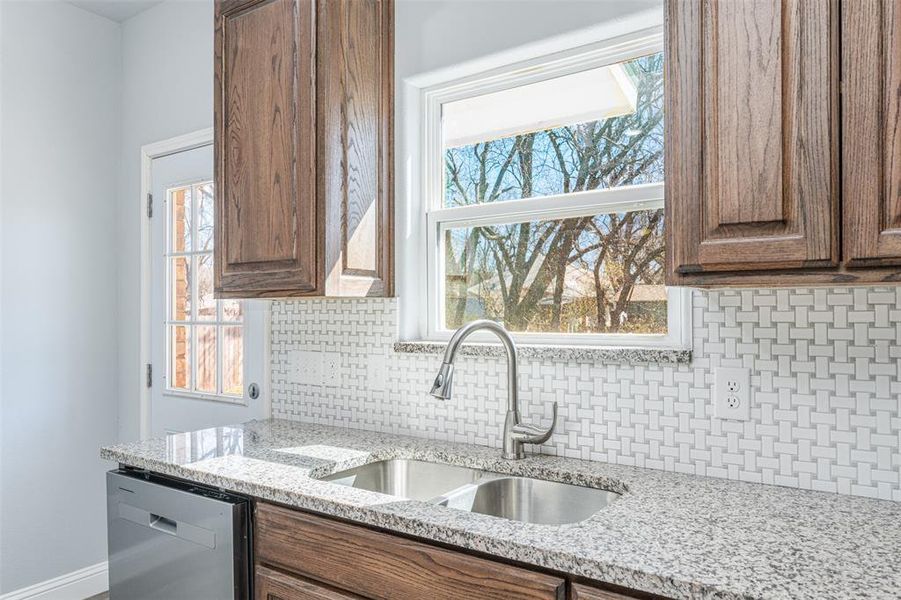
x: 871, y: 143
x: 751, y: 128
x: 377, y: 565
x: 266, y: 213
x: 270, y: 584
x: 355, y: 97
x: 742, y: 62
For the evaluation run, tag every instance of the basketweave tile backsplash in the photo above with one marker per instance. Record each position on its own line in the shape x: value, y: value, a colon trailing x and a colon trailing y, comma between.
x: 825, y: 366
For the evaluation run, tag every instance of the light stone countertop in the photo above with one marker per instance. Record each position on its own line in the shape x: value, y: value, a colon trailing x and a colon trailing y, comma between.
x: 604, y: 354
x: 680, y: 536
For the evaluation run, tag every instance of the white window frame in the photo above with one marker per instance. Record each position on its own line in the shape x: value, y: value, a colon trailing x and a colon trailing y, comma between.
x: 627, y: 198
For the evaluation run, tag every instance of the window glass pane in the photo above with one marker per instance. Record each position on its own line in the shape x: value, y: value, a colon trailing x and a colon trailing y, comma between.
x: 180, y: 357
x: 206, y: 359
x: 206, y: 303
x: 180, y: 288
x: 595, y: 274
x: 204, y: 195
x: 182, y: 217
x: 232, y: 310
x: 232, y: 361
x: 596, y: 129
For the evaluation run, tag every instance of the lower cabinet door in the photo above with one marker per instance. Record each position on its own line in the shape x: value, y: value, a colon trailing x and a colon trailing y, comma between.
x: 384, y: 566
x: 273, y: 585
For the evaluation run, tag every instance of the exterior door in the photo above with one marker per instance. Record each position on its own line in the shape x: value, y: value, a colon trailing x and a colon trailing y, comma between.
x: 207, y: 354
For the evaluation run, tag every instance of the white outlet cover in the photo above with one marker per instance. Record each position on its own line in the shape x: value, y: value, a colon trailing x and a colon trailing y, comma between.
x: 308, y: 367
x: 331, y: 369
x: 732, y: 393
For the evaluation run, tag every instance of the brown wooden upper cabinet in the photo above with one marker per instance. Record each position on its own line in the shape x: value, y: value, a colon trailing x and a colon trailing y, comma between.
x: 303, y: 144
x: 765, y: 99
x: 871, y: 122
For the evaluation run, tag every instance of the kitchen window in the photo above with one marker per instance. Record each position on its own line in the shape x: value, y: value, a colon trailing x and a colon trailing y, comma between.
x: 205, y: 336
x: 543, y: 187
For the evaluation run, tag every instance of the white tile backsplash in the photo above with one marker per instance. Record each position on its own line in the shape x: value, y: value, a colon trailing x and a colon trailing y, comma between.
x: 825, y: 406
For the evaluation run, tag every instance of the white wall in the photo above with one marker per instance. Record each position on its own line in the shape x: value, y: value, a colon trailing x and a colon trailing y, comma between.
x: 80, y: 95
x: 432, y: 34
x: 167, y: 90
x: 60, y: 118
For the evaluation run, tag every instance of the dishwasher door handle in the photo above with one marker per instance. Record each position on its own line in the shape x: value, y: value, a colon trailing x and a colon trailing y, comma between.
x: 163, y: 524
x: 181, y: 530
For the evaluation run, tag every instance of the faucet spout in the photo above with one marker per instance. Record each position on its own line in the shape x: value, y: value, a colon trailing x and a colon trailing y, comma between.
x: 515, y: 433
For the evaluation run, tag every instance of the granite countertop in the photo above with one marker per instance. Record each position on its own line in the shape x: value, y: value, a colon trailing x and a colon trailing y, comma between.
x: 680, y: 536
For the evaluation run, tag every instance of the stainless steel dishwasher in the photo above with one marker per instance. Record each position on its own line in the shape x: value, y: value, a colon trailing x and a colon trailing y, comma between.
x: 173, y: 540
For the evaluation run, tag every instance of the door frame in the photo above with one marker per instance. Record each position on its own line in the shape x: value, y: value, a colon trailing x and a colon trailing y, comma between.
x: 149, y: 152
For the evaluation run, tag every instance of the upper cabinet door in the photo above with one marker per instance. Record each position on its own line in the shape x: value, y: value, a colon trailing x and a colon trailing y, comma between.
x: 355, y: 86
x: 266, y: 219
x: 871, y: 138
x: 751, y: 133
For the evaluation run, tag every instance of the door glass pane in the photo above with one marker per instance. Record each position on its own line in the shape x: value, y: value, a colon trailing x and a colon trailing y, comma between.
x: 180, y: 357
x: 204, y: 195
x: 206, y: 359
x: 181, y: 214
x: 180, y: 282
x: 232, y: 310
x: 232, y: 360
x: 206, y: 303
x: 593, y: 274
x: 206, y: 339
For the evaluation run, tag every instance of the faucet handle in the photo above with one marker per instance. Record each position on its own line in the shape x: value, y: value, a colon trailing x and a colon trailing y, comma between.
x: 533, y: 434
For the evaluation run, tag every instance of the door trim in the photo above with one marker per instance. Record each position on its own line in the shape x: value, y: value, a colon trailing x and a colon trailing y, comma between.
x: 149, y: 152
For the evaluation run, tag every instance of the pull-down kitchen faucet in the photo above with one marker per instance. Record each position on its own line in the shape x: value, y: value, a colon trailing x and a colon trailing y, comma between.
x: 515, y: 433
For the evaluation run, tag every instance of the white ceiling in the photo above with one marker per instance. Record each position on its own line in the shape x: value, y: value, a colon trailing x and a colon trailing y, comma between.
x: 117, y: 10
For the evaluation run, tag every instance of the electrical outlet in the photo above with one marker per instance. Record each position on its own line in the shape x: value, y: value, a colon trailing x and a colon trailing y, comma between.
x: 331, y: 369
x: 375, y: 372
x: 732, y: 394
x: 307, y: 366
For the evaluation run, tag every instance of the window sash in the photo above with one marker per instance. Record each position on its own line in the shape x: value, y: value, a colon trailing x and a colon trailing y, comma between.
x: 594, y: 202
x: 576, y: 204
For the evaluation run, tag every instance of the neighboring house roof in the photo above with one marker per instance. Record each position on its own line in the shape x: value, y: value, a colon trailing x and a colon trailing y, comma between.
x: 578, y: 282
x: 645, y: 292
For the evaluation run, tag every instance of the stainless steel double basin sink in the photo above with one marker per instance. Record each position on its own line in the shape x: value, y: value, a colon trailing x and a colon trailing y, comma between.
x: 474, y: 490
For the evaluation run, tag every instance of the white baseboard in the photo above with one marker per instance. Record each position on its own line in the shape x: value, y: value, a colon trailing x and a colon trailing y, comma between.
x: 76, y: 585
